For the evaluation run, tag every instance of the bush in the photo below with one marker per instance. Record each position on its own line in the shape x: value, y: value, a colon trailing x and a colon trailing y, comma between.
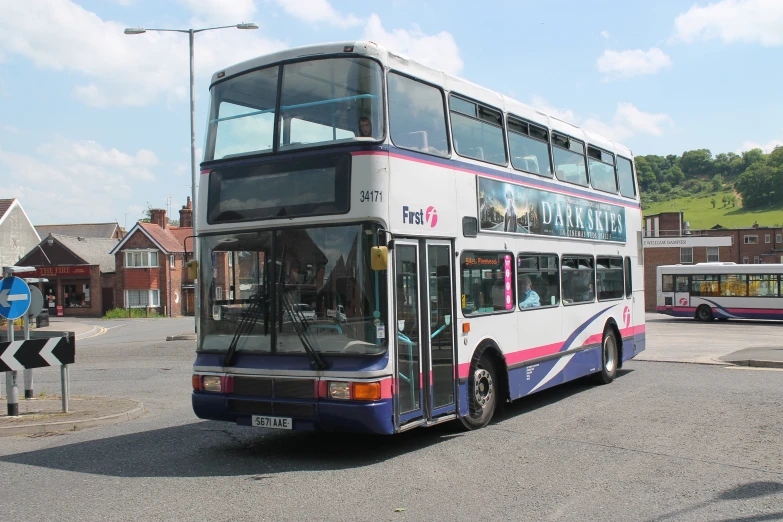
x: 132, y: 313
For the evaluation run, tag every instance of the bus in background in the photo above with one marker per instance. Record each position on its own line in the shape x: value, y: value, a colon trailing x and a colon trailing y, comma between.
x: 385, y: 246
x: 706, y: 291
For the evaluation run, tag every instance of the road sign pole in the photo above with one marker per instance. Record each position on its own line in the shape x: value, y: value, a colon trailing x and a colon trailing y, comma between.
x: 65, y: 385
x: 11, y: 388
x: 28, y: 373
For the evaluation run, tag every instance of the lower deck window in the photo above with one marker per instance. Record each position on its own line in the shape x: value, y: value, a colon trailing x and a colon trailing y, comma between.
x: 487, y: 282
x: 610, y: 278
x: 578, y: 279
x: 538, y: 280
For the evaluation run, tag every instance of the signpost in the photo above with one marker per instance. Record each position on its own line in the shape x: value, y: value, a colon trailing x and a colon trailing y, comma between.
x: 36, y: 305
x: 14, y: 302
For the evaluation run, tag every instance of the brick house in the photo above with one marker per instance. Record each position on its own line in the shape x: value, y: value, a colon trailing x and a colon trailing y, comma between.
x: 79, y: 273
x: 150, y: 265
x: 669, y: 241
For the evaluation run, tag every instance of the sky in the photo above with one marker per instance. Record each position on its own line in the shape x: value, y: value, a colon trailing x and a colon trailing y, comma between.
x: 95, y: 124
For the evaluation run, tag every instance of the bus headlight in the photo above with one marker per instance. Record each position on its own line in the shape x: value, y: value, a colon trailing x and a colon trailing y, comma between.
x: 339, y: 390
x: 211, y: 383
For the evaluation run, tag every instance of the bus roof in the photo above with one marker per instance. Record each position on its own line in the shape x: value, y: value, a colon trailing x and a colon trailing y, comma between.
x: 413, y: 68
x: 722, y: 268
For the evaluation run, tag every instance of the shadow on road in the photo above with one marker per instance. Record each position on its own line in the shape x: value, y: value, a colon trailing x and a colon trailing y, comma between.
x: 209, y: 449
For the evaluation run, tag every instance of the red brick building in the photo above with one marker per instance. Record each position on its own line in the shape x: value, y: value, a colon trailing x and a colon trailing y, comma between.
x: 668, y: 240
x: 150, y: 265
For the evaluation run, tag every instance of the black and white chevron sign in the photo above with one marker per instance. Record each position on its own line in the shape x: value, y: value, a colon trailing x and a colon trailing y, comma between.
x: 37, y: 353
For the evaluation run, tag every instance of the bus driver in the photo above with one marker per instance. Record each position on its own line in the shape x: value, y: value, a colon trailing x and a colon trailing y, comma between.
x: 529, y: 296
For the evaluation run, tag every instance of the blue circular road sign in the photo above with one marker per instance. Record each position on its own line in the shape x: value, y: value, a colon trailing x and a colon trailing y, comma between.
x: 14, y: 297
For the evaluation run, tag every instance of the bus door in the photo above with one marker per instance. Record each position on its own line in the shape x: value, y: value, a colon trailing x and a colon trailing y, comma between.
x: 424, y: 336
x: 682, y: 296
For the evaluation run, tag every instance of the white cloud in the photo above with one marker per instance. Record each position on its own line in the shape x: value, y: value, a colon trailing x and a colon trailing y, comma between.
x: 220, y: 11
x: 74, y: 181
x: 767, y: 147
x: 316, y: 11
x: 437, y: 50
x: 605, y: 34
x: 118, y: 69
x: 633, y: 62
x: 627, y: 120
x: 749, y: 21
x: 11, y: 129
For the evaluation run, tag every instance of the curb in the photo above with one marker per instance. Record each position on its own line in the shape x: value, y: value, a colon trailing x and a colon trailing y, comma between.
x: 757, y: 363
x: 52, y: 427
x: 181, y: 337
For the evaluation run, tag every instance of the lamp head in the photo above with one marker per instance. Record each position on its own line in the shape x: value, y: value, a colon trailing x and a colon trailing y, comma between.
x: 245, y: 25
x: 135, y: 30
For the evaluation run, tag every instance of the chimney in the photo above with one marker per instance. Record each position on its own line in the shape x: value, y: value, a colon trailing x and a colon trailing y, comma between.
x: 158, y: 216
x: 186, y: 215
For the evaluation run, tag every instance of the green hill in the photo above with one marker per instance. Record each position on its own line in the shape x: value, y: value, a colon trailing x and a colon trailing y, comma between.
x: 698, y: 212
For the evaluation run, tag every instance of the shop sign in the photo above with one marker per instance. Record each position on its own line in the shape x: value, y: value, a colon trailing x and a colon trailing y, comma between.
x: 58, y: 271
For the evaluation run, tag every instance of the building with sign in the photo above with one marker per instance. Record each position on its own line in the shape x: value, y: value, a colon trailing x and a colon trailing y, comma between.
x: 99, y: 230
x: 150, y: 262
x: 80, y: 274
x: 668, y: 240
x: 17, y: 234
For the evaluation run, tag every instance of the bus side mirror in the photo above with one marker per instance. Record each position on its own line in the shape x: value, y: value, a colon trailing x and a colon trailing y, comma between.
x: 192, y: 266
x: 379, y: 258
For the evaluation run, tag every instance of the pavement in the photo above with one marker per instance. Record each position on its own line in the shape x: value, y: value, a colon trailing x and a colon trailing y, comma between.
x: 737, y: 342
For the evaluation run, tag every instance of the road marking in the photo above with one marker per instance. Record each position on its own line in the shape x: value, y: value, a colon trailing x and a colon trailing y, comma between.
x: 754, y: 368
x: 117, y: 326
x: 101, y: 331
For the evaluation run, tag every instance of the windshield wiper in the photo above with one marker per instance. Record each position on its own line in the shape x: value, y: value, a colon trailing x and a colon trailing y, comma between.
x: 246, y: 325
x: 297, y: 319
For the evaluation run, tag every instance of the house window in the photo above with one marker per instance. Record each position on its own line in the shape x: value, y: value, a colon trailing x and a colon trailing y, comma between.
x: 751, y: 240
x: 732, y: 240
x: 141, y: 259
x: 767, y: 238
x: 172, y: 262
x: 744, y: 260
x: 778, y: 238
x: 142, y: 298
x: 686, y: 255
x: 756, y: 260
x: 713, y: 254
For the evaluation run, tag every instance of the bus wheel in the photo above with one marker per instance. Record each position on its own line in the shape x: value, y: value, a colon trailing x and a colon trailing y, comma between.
x: 482, y: 394
x: 609, y: 356
x: 704, y: 313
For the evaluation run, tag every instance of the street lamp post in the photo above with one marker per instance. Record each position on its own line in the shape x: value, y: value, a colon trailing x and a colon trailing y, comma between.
x: 193, y: 173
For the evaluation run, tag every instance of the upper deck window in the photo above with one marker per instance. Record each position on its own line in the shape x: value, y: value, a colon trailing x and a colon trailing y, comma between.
x: 569, y: 156
x: 529, y: 147
x: 417, y: 117
x: 602, y: 174
x: 625, y: 178
x: 477, y: 131
x: 333, y: 100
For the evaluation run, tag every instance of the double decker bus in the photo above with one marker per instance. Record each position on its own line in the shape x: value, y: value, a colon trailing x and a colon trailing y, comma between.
x: 723, y: 291
x: 384, y: 246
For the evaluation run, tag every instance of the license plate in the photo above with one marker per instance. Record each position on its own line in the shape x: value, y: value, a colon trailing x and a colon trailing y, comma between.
x: 280, y: 423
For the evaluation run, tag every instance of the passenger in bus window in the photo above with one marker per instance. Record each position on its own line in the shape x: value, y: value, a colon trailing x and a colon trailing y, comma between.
x: 589, y: 293
x: 530, y: 298
x: 365, y: 127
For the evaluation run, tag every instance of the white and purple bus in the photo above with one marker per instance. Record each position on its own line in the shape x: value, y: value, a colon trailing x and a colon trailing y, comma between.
x: 706, y: 291
x: 385, y: 246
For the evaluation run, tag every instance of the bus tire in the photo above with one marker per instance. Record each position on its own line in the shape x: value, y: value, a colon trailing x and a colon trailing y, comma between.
x: 482, y: 393
x: 610, y: 354
x: 704, y: 313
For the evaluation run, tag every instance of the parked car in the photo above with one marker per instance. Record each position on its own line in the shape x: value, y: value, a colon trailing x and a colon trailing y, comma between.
x: 301, y: 310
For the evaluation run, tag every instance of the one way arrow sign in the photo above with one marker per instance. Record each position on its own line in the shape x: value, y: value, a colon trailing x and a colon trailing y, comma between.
x: 37, y: 353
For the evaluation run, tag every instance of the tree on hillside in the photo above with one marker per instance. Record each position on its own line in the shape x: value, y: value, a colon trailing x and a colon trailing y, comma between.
x: 775, y: 158
x: 696, y: 162
x: 713, y: 202
x: 674, y: 175
x: 758, y: 183
x: 749, y: 157
x: 717, y: 182
x: 728, y: 164
x: 644, y: 173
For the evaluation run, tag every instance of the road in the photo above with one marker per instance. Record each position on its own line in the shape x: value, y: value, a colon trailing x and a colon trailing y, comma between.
x: 665, y: 441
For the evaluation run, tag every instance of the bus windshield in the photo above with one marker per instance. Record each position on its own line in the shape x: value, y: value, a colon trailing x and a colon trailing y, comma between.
x: 331, y: 100
x: 267, y: 289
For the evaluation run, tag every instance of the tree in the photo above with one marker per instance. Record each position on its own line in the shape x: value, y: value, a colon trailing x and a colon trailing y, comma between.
x: 674, y: 175
x: 644, y: 173
x: 717, y: 182
x: 758, y: 182
x: 713, y: 202
x: 749, y: 157
x: 696, y: 162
